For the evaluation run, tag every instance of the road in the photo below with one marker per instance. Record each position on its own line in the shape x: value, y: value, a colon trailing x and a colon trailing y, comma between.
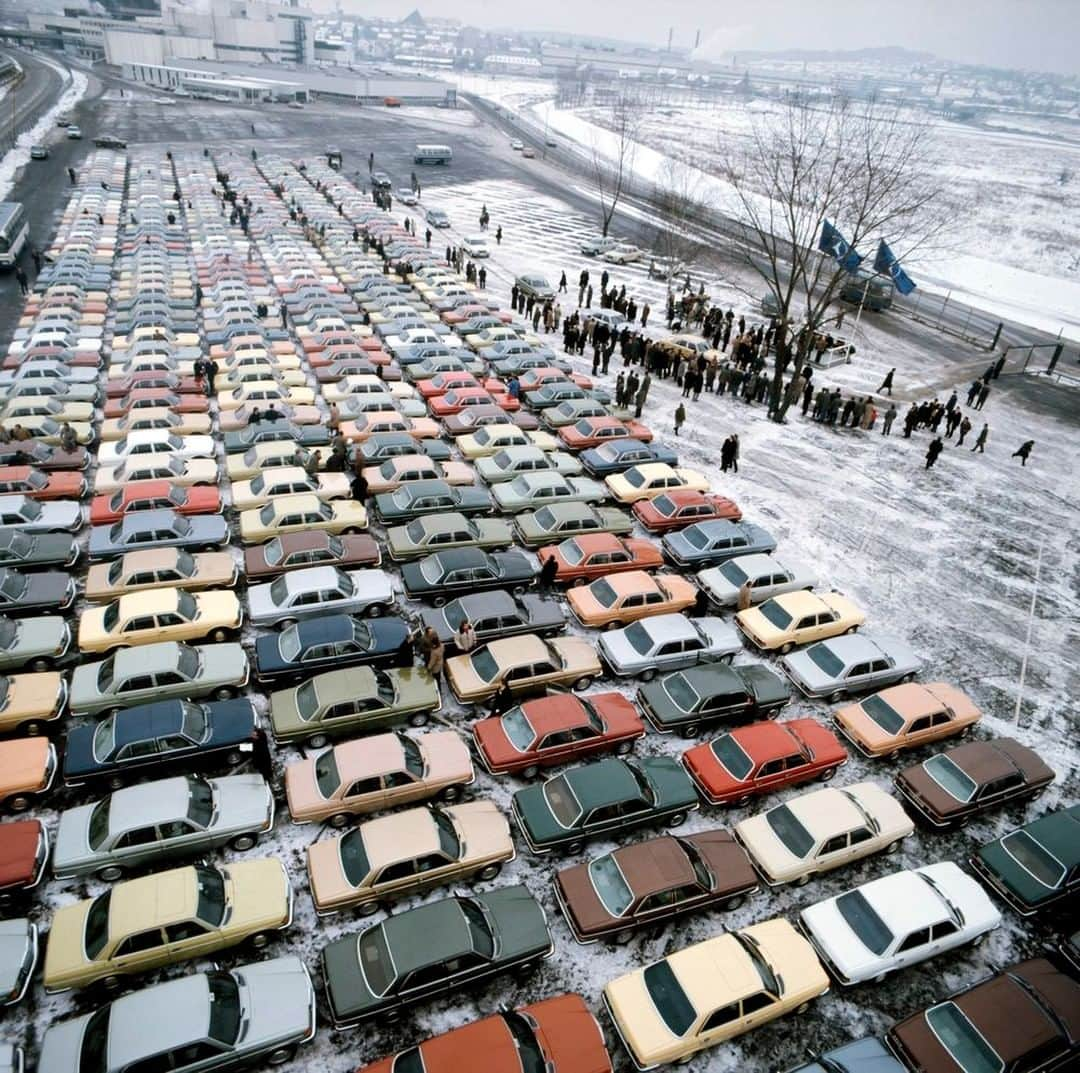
x: 24, y: 104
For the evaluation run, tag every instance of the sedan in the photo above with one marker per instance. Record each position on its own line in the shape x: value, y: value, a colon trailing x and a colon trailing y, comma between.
x: 391, y: 474
x: 534, y: 490
x: 645, y: 884
x: 581, y: 559
x: 491, y: 439
x: 436, y: 532
x: 898, y: 920
x: 314, y: 590
x: 571, y: 412
x: 852, y: 664
x: 493, y: 615
x: 47, y: 590
x: 763, y: 757
x: 137, y: 571
x: 383, y: 445
x: 442, y: 575
x: 140, y: 826
x: 189, y: 424
x: 474, y: 417
x: 710, y: 542
x: 34, y: 550
x: 394, y: 964
x: 761, y: 577
x: 418, y: 498
x: 38, y: 484
x: 301, y: 513
x: 621, y: 454
x: 522, y: 664
x: 38, y: 641
x: 155, y: 442
x: 154, y: 495
x: 33, y: 453
x: 178, y: 471
x: 797, y: 618
x: 667, y: 643
x: 599, y: 431
x: 31, y: 516
x: 561, y: 520
x: 867, y: 1055
x: 19, y: 945
x: 287, y: 481
x: 602, y: 799
x: 508, y: 463
x: 619, y: 598
x: 651, y: 480
x: 239, y: 440
x: 158, y: 529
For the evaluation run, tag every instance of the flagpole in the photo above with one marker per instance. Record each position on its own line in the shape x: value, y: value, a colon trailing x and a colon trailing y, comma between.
x: 862, y: 302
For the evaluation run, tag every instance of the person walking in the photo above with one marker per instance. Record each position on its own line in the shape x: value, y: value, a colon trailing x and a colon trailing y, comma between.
x: 744, y: 598
x: 735, y: 452
x: 498, y: 235
x: 725, y: 455
x: 642, y: 394
x: 358, y: 487
x: 937, y: 444
x: 562, y: 284
x: 984, y: 391
x: 283, y: 309
x: 973, y: 392
x: 23, y: 282
x: 1022, y: 452
x: 890, y: 417
x: 436, y: 657
x: 886, y: 384
x: 980, y: 443
x: 680, y: 418
x: 465, y: 637
x: 965, y: 428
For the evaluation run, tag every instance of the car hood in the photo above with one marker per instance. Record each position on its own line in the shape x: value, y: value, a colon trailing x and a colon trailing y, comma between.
x: 60, y: 1049
x: 244, y: 802
x: 520, y: 924
x: 49, y: 588
x: 485, y: 829
x: 803, y: 669
x: 259, y: 894
x: 618, y: 651
x: 670, y: 782
x: 534, y: 815
x: 582, y: 904
x: 347, y: 990
x: 71, y: 845
x: 766, y: 687
x: 723, y: 637
x: 278, y: 999
x: 13, y: 947
x: 64, y: 950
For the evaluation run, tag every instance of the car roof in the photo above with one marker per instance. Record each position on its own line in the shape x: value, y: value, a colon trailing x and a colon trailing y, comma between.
x: 147, y: 659
x: 142, y: 520
x: 379, y: 754
x: 511, y: 651
x: 162, y: 898
x: 411, y: 834
x: 444, y: 522
x: 603, y: 782
x: 325, y: 628
x: 151, y: 602
x: 631, y: 582
x: 148, y: 721
x: 554, y: 713
x: 296, y: 501
x: 905, y: 901
x: 346, y: 684
x: 311, y: 577
x: 486, y: 603
x: 291, y: 542
x: 149, y: 803
x: 593, y: 542
x: 654, y: 469
x: 827, y: 811
x: 853, y: 647
x: 767, y: 739
x: 457, y: 558
x: 427, y: 934
x: 802, y: 602
x: 188, y: 1003
x: 715, y: 972
x: 669, y: 627
x: 150, y: 558
x: 657, y: 864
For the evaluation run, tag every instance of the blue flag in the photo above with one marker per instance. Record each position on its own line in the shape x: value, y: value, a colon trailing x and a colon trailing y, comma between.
x: 833, y: 242
x: 886, y: 263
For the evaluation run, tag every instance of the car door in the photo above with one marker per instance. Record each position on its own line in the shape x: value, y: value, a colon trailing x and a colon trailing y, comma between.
x: 556, y: 745
x: 832, y: 852
x: 143, y: 950
x: 136, y: 846
x: 721, y: 1024
x: 191, y: 938
x: 913, y: 947
x: 368, y: 790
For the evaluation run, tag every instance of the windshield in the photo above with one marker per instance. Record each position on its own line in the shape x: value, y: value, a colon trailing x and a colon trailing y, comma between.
x: 522, y: 1027
x: 289, y: 644
x: 95, y: 1041
x: 484, y: 665
x: 671, y: 1002
x: 518, y: 729
x: 634, y: 477
x: 195, y: 723
x: 545, y: 519
x: 1033, y: 858
x: 962, y: 1040
x: 210, y: 906
x: 562, y: 802
x: 729, y: 754
x: 825, y: 659
x: 882, y: 713
x: 327, y: 777
x: 375, y: 961
x: 734, y: 573
x: 695, y: 537
x: 258, y: 485
x: 790, y: 831
x: 603, y: 593
x: 775, y: 614
x: 681, y: 693
x: 948, y: 776
x: 97, y: 925
x: 416, y: 531
x: 225, y: 1019
x: 610, y: 885
x: 274, y: 552
x: 448, y: 838
x: 104, y: 737
x: 279, y: 591
x: 864, y: 922
x: 13, y: 585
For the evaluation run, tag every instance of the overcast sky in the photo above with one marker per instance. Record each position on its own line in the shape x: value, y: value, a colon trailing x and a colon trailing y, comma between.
x: 1034, y: 34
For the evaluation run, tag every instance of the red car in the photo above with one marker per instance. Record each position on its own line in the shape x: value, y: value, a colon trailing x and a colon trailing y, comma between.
x: 37, y: 484
x: 556, y: 729
x: 453, y: 402
x: 24, y: 846
x: 467, y: 312
x: 152, y: 378
x: 596, y: 431
x: 69, y: 356
x: 762, y: 757
x: 441, y: 383
x: 154, y: 495
x: 149, y: 398
x: 678, y: 509
x: 317, y: 548
x: 592, y: 555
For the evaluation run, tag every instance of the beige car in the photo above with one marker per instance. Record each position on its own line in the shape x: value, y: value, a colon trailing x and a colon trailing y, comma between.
x: 285, y: 481
x: 183, y: 472
x: 154, y: 417
x: 714, y: 991
x: 301, y: 514
x: 523, y: 663
x: 263, y: 456
x: 19, y: 409
x: 405, y: 852
x: 821, y: 830
x: 798, y: 618
x: 366, y: 384
x: 165, y: 918
x: 156, y: 568
x: 652, y: 479
x: 168, y: 614
x: 230, y: 420
x: 47, y: 430
x: 375, y: 773
x: 29, y: 701
x: 264, y: 391
x: 27, y: 770
x: 490, y: 439
x: 260, y: 371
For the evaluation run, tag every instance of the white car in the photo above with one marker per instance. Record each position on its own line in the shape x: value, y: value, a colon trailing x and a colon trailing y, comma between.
x: 154, y: 441
x: 768, y: 577
x: 622, y: 254
x: 898, y: 920
x: 407, y: 196
x: 593, y: 247
x: 320, y: 590
x: 476, y: 246
x: 74, y: 133
x: 517, y: 144
x: 32, y: 516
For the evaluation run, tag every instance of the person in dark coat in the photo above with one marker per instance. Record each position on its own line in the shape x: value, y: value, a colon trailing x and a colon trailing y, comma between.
x: 980, y: 443
x: 965, y: 428
x: 937, y: 444
x: 1023, y: 451
x: 680, y: 418
x: 359, y: 488
x: 548, y: 572
x: 886, y: 384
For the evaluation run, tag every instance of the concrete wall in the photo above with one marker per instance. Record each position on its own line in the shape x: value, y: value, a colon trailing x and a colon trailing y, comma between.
x: 128, y: 46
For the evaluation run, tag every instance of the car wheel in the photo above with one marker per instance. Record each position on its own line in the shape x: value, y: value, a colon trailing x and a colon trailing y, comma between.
x: 439, y: 601
x: 621, y: 938
x: 32, y: 729
x: 285, y: 623
x: 280, y: 1056
x: 908, y: 677
x: 894, y: 847
x: 801, y: 881
x: 623, y: 748
x: 979, y: 940
x: 578, y: 582
x: 368, y: 909
x: 1036, y: 794
x: 530, y: 772
x: 317, y: 741
x: 116, y: 782
x: 852, y: 629
x: 242, y: 843
x: 880, y: 978
x: 836, y: 696
x: 733, y: 903
x: 233, y: 758
x: 110, y: 873
x: 742, y: 802
x: 786, y: 648
x: 339, y: 819
x: 375, y: 610
x: 572, y: 849
x: 418, y: 719
x: 615, y: 624
x: 260, y: 940
x: 485, y: 875
x: 690, y: 730
x: 450, y: 793
x: 518, y: 590
x: 827, y: 774
x: 582, y: 683
x: 41, y: 665
x: 111, y: 983
x: 677, y: 820
x: 224, y: 693
x: 219, y: 635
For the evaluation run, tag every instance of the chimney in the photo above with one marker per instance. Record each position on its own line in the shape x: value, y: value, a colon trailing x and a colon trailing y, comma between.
x: 697, y: 39
x: 671, y: 31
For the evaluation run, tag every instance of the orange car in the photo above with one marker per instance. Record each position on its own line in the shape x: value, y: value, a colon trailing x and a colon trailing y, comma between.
x: 596, y: 431
x: 37, y: 484
x: 594, y: 555
x: 622, y: 598
x: 906, y: 716
x: 27, y: 769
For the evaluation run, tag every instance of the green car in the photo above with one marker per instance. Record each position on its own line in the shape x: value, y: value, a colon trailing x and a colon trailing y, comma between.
x: 1037, y: 864
x: 556, y: 522
x: 436, y: 532
x: 432, y: 950
x: 352, y: 700
x: 601, y: 800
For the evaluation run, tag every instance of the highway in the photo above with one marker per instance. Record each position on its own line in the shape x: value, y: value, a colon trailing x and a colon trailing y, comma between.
x: 25, y: 103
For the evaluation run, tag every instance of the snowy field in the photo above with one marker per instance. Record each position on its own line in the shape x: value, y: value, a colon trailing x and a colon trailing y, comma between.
x: 945, y: 559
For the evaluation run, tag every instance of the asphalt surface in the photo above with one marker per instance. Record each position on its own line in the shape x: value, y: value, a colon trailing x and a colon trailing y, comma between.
x: 25, y: 102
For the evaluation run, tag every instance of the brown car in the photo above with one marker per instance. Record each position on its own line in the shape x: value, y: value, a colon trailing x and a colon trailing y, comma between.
x: 652, y: 881
x: 951, y: 787
x: 27, y: 769
x: 24, y: 847
x: 1026, y: 1018
x: 295, y: 550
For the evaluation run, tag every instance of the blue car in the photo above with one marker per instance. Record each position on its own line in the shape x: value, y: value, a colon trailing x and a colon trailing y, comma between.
x: 715, y: 541
x: 621, y: 454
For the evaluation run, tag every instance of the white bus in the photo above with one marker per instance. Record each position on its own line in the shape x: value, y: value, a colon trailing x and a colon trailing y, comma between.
x: 432, y: 154
x: 14, y: 231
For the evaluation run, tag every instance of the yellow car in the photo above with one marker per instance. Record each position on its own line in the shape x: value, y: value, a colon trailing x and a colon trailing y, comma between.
x: 163, y: 466
x: 264, y: 370
x: 652, y: 479
x: 36, y: 406
x: 166, y: 918
x: 798, y: 618
x: 263, y: 391
x: 301, y: 514
x: 523, y: 663
x: 489, y: 439
x: 246, y: 359
x: 285, y: 481
x: 29, y: 701
x: 714, y: 991
x: 143, y: 618
x: 153, y: 417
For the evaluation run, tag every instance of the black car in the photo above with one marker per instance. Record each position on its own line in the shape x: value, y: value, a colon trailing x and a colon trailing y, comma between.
x: 110, y: 141
x: 29, y: 550
x: 432, y: 950
x: 383, y: 445
x: 50, y: 590
x: 240, y: 439
x: 695, y: 697
x: 497, y: 614
x: 380, y: 180
x: 331, y: 641
x: 441, y: 576
x: 416, y: 498
x: 149, y: 737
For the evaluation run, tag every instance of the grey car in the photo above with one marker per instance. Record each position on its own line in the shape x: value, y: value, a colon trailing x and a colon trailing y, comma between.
x: 767, y: 576
x: 238, y: 440
x: 384, y: 445
x: 37, y: 549
x: 318, y: 590
x: 162, y: 671
x: 853, y: 663
x: 572, y: 411
x: 156, y: 821
x: 32, y: 516
x: 18, y: 958
x: 158, y: 529
x: 559, y: 521
x: 508, y: 463
x: 38, y: 642
x: 496, y: 614
x: 667, y: 643
x: 51, y: 590
x: 708, y: 543
x: 869, y: 1055
x: 50, y: 388
x: 538, y: 489
x: 254, y: 1014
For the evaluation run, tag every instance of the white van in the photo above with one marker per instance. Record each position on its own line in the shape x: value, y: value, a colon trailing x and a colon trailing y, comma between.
x: 432, y: 154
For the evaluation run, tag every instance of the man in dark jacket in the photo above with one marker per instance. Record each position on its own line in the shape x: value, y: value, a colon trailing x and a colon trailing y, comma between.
x: 932, y: 452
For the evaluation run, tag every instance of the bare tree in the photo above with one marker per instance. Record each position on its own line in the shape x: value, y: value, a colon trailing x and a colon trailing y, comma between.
x: 682, y: 199
x: 612, y: 152
x: 865, y: 166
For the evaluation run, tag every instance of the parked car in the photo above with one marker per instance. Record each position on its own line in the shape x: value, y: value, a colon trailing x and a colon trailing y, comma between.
x: 441, y: 576
x: 688, y: 700
x: 47, y: 590
x: 302, y: 513
x: 647, y: 883
x: 157, y: 736
x: 32, y: 516
x: 287, y: 481
x: 314, y: 590
x: 165, y: 918
x: 710, y: 542
x: 508, y: 463
x: 32, y: 550
x: 898, y: 920
x: 680, y: 1005
x: 905, y: 717
x: 1036, y: 865
x: 952, y: 787
x: 597, y: 555
x: 18, y: 959
x: 598, y: 244
x: 392, y: 856
x: 183, y: 816
x: 37, y: 642
x: 238, y: 440
x: 29, y: 702
x: 867, y: 1055
x: 844, y: 665
x: 42, y: 484
x: 256, y: 1013
x: 600, y: 799
x: 382, y: 445
x: 1022, y: 1018
x: 522, y: 664
x: 351, y: 699
x: 531, y: 491
x: 535, y: 286
x: 154, y: 495
x: 138, y: 571
x: 153, y: 442
x: 495, y: 614
x: 166, y: 614
x: 763, y: 576
x: 491, y: 439
x: 558, y: 521
x: 626, y: 597
x: 182, y: 472
x: 620, y: 454
x: 796, y: 618
x: 298, y: 551
x: 158, y: 529
x: 24, y: 849
x: 418, y: 498
x: 438, y: 532
x: 652, y: 479
x: 821, y: 830
x: 399, y: 962
x: 666, y: 643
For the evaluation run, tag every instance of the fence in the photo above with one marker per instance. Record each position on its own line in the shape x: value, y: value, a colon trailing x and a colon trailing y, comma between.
x: 1049, y: 359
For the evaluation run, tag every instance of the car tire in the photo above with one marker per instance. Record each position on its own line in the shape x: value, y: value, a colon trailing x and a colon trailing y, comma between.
x: 894, y: 847
x: 110, y: 873
x: 622, y: 937
x: 518, y: 590
x: 280, y: 1056
x: 375, y: 611
x: 582, y: 683
x: 285, y: 623
x: 615, y: 624
x: 419, y: 719
x: 339, y: 819
x: 852, y: 629
x: 648, y: 675
x: 690, y: 730
x: 801, y: 881
x: 836, y: 696
x: 623, y: 748
x: 676, y: 820
x: 318, y: 741
x: 225, y: 693
x: 368, y: 909
x: 908, y: 677
x: 242, y: 843
x: 260, y: 940
x: 487, y: 873
x: 742, y: 802
x: 733, y: 903
x: 572, y: 849
x: 579, y: 581
x: 219, y: 635
x: 439, y: 601
x: 827, y: 774
x: 32, y: 729
x: 450, y: 794
x: 115, y: 782
x: 41, y: 664
x: 786, y: 648
x: 802, y: 1008
x: 233, y: 758
x: 529, y: 773
x: 18, y: 803
x: 111, y: 984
